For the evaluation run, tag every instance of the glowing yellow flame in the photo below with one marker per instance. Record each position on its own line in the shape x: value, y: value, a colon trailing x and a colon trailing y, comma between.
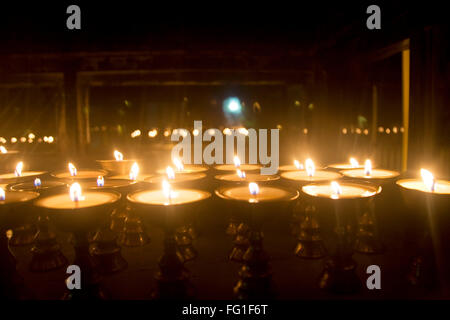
x: 253, y: 188
x: 100, y: 181
x: 336, y: 188
x: 134, y: 171
x: 37, y: 182
x: 167, y: 190
x: 428, y: 179
x: 2, y: 194
x: 368, y: 168
x: 227, y: 132
x: 118, y: 155
x: 72, y: 169
x: 298, y: 165
x: 75, y: 192
x: 136, y: 133
x: 237, y: 161
x: 3, y: 149
x: 310, y: 167
x: 18, y: 171
x: 354, y: 163
x: 170, y: 173
x: 241, y: 174
x: 178, y: 164
x: 153, y: 133
x: 166, y: 133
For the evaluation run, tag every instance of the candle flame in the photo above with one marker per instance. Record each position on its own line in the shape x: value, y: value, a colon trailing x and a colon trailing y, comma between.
x: 241, y: 174
x: 310, y: 167
x: 153, y: 133
x: 428, y: 179
x: 118, y: 155
x: 354, y: 163
x: 368, y: 168
x: 100, y: 181
x: 37, y: 182
x: 337, y: 190
x: 167, y: 190
x: 178, y: 164
x: 298, y: 165
x: 170, y: 173
x: 2, y: 194
x: 18, y: 171
x: 237, y: 161
x: 75, y: 192
x: 134, y: 171
x: 3, y: 149
x: 253, y: 188
x: 72, y: 169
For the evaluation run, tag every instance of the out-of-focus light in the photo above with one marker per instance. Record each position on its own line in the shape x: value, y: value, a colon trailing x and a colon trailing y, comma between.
x: 297, y: 103
x: 45, y: 139
x: 305, y: 130
x: 136, y: 133
x: 18, y: 170
x: 402, y: 129
x: 23, y: 139
x: 134, y: 171
x: 243, y: 131
x: 100, y: 181
x: 170, y: 173
x: 3, y: 149
x: 166, y: 133
x: 380, y: 129
x: 31, y: 136
x: 388, y: 131
x: 366, y: 132
x: 72, y: 169
x: 358, y: 131
x: 344, y: 130
x: 195, y: 132
x: 2, y: 140
x: 37, y: 182
x: 13, y: 140
x: 30, y: 140
x: 118, y: 155
x: 50, y: 139
x: 227, y: 131
x: 153, y: 133
x: 394, y: 129
x: 232, y: 105
x: 279, y: 126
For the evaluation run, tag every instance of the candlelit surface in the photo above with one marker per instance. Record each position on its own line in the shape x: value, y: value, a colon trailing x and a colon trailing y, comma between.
x: 189, y: 168
x: 178, y: 179
x: 64, y: 202
x: 158, y: 197
x: 30, y: 186
x: 140, y: 177
x: 242, y: 167
x: 344, y: 166
x: 266, y: 194
x: 109, y: 183
x: 13, y: 197
x: 302, y: 176
x: 441, y: 186
x: 11, y: 177
x: 375, y: 174
x: 81, y: 174
x: 249, y: 177
x: 347, y: 191
x: 289, y: 167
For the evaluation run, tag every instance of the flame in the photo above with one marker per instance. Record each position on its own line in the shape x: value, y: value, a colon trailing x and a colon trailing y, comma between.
x: 136, y: 133
x: 2, y: 194
x: 72, y: 169
x: 75, y: 192
x: 243, y: 131
x: 428, y: 179
x: 100, y: 181
x: 337, y: 190
x: 167, y: 190
x: 37, y: 182
x: 298, y: 165
x: 118, y: 155
x: 241, y: 174
x: 310, y: 167
x: 227, y: 131
x: 178, y: 164
x: 368, y: 168
x: 170, y: 173
x: 253, y: 188
x: 18, y: 171
x: 237, y: 161
x: 354, y: 163
x: 3, y: 149
x: 166, y: 133
x: 134, y: 171
x: 153, y: 133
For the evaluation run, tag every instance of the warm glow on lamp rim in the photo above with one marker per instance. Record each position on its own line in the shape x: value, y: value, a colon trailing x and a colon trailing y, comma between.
x: 401, y: 183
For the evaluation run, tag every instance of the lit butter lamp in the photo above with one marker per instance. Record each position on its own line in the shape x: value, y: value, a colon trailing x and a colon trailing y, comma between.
x: 304, y: 225
x: 351, y: 164
x: 74, y: 174
x: 79, y: 213
x: 193, y: 179
x: 127, y: 223
x: 337, y: 206
x: 118, y: 166
x: 238, y: 165
x: 181, y: 168
x: 105, y: 246
x: 46, y: 252
x: 241, y: 177
x: 383, y: 208
x: 25, y: 234
x: 14, y: 209
x: 168, y: 208
x: 256, y: 204
x: 428, y: 203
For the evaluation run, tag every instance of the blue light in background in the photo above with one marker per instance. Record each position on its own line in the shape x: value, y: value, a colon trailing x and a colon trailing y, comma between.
x: 232, y: 105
